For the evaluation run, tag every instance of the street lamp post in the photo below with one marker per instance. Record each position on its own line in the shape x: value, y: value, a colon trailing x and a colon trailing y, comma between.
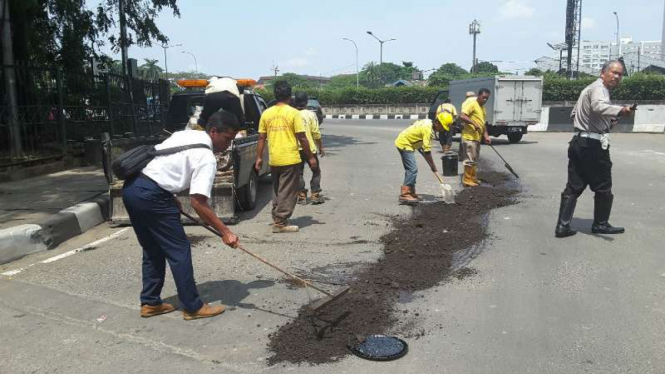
x: 618, y: 35
x: 196, y: 64
x: 166, y: 65
x: 380, y: 42
x: 474, y: 29
x: 559, y: 48
x: 357, y: 71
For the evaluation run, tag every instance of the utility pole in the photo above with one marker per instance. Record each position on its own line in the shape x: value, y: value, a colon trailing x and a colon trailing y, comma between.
x: 618, y: 36
x: 275, y: 69
x: 579, y: 37
x: 10, y: 81
x: 123, y: 35
x: 357, y: 71
x: 474, y: 29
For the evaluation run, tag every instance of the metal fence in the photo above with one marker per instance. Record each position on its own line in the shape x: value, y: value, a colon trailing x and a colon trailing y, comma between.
x: 56, y: 110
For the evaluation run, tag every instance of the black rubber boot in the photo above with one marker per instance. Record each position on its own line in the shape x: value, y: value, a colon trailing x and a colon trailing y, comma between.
x: 566, y: 211
x: 601, y: 215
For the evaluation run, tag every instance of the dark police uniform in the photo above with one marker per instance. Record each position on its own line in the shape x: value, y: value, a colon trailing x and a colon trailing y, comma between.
x: 589, y: 161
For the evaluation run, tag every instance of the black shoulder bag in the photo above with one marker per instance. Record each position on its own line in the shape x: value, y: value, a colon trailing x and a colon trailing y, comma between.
x: 130, y: 164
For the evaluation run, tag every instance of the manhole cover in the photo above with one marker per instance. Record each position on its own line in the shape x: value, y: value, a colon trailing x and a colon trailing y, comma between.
x: 380, y: 348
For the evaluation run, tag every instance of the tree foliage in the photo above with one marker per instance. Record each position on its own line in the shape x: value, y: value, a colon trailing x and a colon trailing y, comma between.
x: 68, y: 33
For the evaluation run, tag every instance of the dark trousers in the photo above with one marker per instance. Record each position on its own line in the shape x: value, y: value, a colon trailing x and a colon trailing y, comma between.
x: 446, y: 137
x: 315, y: 182
x: 157, y: 225
x: 588, y: 165
x: 221, y: 100
x: 285, y: 188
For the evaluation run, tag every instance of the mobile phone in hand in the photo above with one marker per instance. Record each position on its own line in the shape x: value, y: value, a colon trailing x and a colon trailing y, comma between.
x: 634, y: 107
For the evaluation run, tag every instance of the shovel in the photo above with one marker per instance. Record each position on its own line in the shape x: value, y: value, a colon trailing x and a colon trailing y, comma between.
x: 312, y: 307
x: 505, y: 163
x: 447, y: 193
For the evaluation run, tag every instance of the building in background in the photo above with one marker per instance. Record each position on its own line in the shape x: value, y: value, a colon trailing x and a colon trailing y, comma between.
x: 638, y: 56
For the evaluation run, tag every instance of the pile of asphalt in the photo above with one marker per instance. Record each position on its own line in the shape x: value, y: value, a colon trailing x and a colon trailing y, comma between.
x: 418, y: 254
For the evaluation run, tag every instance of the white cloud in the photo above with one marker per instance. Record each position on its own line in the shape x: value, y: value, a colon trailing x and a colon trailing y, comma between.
x: 588, y: 23
x: 515, y: 9
x: 297, y: 62
x: 311, y: 51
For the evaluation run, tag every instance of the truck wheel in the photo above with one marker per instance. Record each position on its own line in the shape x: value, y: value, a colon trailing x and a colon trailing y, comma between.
x: 514, y: 138
x: 247, y: 194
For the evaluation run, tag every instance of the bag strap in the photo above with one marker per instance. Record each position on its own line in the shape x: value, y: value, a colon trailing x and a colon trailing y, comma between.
x: 168, y: 151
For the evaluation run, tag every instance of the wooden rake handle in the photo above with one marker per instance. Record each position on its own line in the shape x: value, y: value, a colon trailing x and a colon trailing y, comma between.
x: 438, y: 177
x: 240, y: 247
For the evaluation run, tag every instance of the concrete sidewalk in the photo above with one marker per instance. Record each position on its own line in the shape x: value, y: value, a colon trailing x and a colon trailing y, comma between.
x: 41, y: 212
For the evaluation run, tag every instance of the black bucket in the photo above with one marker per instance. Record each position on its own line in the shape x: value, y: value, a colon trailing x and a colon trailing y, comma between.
x: 450, y: 164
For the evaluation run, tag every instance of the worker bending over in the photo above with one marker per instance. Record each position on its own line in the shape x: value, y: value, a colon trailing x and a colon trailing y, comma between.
x: 418, y: 136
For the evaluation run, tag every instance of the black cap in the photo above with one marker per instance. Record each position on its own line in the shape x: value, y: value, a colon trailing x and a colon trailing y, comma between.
x: 300, y: 99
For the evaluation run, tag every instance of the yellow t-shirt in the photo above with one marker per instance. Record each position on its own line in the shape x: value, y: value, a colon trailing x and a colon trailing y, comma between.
x: 416, y: 136
x: 447, y: 106
x: 312, y: 131
x: 468, y: 100
x: 477, y: 114
x: 281, y: 123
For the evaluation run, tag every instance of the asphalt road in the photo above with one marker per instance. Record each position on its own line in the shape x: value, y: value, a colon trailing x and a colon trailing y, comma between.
x: 586, y: 304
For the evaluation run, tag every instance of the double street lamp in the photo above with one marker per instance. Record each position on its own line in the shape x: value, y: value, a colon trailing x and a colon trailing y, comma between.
x: 357, y: 71
x: 166, y: 65
x: 380, y: 42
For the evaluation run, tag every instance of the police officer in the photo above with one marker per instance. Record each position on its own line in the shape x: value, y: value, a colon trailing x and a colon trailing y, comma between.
x: 589, y: 161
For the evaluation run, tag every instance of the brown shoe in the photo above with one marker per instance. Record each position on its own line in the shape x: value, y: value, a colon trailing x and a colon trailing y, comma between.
x: 206, y: 311
x: 316, y: 198
x: 151, y: 311
x: 302, y: 197
x: 406, y: 197
x: 281, y: 229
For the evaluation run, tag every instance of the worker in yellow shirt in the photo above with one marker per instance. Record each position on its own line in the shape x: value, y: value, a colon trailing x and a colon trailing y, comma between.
x: 446, y: 136
x: 418, y: 136
x: 470, y: 97
x: 282, y: 126
x: 313, y: 133
x: 473, y: 116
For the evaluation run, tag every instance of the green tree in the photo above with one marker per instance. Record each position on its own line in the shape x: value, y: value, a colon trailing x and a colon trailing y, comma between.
x: 68, y: 33
x: 444, y: 74
x: 535, y: 72
x: 486, y: 67
x: 295, y: 80
x: 150, y: 70
x: 342, y: 81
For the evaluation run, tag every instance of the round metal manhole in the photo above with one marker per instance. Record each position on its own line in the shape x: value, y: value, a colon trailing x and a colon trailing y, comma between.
x: 380, y: 348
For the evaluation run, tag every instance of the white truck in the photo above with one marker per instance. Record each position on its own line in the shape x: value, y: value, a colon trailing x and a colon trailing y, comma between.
x: 515, y: 102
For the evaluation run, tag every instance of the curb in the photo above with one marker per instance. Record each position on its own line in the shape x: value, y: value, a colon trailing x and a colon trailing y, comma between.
x: 49, y: 232
x: 376, y: 116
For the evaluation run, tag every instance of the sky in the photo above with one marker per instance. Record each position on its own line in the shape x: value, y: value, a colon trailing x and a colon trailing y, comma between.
x: 248, y: 38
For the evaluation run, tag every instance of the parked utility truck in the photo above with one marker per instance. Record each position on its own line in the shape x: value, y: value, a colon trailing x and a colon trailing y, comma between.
x: 514, y: 104
x: 236, y: 183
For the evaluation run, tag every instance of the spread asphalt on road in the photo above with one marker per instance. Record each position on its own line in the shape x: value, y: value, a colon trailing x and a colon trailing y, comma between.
x: 530, y: 303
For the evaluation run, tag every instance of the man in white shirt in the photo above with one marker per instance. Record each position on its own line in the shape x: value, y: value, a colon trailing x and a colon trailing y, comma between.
x: 155, y: 216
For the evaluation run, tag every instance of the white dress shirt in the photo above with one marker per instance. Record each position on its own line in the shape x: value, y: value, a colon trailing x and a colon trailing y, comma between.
x: 193, y: 168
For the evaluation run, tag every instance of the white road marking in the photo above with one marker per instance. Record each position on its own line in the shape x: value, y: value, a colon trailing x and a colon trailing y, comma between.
x: 86, y: 247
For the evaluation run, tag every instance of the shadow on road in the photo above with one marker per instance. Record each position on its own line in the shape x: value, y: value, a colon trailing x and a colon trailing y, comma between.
x: 583, y: 226
x: 305, y: 221
x: 340, y: 141
x: 263, y: 198
x: 228, y: 292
